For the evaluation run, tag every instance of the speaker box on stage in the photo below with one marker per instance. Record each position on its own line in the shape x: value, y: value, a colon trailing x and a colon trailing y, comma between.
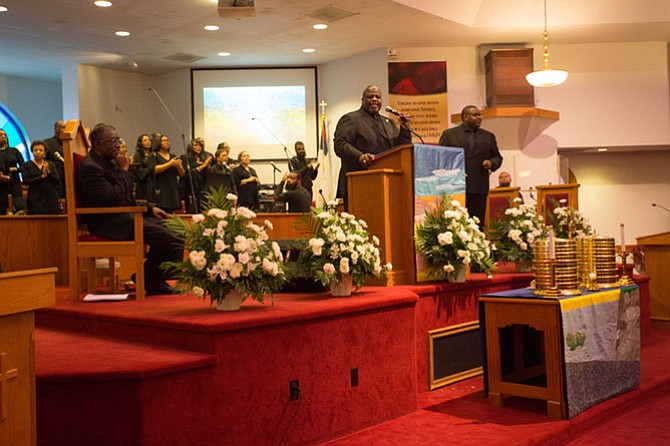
x: 299, y: 280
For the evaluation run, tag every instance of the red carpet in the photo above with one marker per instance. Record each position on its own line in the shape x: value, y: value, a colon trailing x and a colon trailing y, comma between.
x: 460, y: 415
x: 172, y: 370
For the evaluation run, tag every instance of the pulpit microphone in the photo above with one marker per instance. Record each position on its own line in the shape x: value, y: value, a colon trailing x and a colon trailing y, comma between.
x: 403, y: 121
x: 322, y: 197
x: 393, y: 111
x: 275, y: 167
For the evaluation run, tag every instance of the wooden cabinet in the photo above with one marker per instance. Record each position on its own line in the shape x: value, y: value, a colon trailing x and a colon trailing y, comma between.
x: 506, y: 83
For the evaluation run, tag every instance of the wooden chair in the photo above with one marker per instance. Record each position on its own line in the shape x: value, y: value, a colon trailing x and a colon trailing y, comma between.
x: 84, y: 248
x: 499, y: 200
x: 550, y: 195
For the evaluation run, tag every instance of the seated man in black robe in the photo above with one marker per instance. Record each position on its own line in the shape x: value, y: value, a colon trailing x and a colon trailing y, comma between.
x: 103, y: 180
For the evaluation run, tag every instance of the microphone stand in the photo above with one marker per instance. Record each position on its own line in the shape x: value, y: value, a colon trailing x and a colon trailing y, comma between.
x: 290, y: 169
x: 183, y: 143
x: 288, y: 160
x: 404, y: 125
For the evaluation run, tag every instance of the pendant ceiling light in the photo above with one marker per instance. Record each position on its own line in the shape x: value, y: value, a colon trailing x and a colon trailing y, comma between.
x: 546, y: 77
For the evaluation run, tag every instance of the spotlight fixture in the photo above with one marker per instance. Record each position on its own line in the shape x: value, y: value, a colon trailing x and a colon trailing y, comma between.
x: 308, y: 50
x: 102, y: 3
x: 3, y: 9
x: 122, y: 33
x: 320, y: 26
x: 133, y: 65
x: 212, y: 27
x: 546, y: 77
x: 224, y: 54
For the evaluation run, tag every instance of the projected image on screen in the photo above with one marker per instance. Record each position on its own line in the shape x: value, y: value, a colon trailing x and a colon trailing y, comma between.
x: 261, y: 119
x: 261, y: 110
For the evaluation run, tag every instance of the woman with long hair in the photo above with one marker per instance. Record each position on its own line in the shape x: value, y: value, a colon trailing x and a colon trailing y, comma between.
x: 140, y: 166
x: 12, y: 161
x: 166, y: 170
x: 197, y: 163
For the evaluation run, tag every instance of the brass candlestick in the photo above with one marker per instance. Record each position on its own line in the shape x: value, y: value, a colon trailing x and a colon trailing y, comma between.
x: 624, y: 280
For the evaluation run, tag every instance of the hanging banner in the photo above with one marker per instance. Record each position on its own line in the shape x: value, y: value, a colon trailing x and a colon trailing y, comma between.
x: 419, y: 89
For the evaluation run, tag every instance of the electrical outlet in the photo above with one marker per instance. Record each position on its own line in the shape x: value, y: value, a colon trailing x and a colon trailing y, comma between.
x: 294, y: 390
x: 354, y: 377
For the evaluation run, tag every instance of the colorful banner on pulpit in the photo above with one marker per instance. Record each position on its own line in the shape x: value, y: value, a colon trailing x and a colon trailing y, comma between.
x: 438, y: 171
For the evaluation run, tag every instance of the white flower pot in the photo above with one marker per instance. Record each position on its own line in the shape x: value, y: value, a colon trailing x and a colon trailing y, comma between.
x: 457, y: 275
x: 231, y: 302
x: 343, y: 287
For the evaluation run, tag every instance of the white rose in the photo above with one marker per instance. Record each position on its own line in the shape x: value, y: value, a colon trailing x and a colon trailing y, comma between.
x: 329, y: 269
x: 236, y: 270
x: 246, y: 212
x: 448, y: 268
x: 344, y: 266
x: 197, y: 218
x: 198, y: 259
x: 197, y: 291
x: 219, y: 245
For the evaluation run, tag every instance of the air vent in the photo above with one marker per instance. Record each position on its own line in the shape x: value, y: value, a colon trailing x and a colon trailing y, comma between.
x: 184, y: 57
x: 331, y: 14
x: 236, y: 9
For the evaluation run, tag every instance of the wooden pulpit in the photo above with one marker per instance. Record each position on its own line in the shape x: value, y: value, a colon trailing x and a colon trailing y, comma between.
x: 23, y: 292
x: 656, y: 260
x: 550, y: 196
x: 384, y: 197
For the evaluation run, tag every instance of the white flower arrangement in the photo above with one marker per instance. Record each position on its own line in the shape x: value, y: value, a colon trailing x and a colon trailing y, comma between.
x: 227, y: 251
x: 341, y: 246
x: 516, y: 232
x: 568, y: 222
x: 450, y: 239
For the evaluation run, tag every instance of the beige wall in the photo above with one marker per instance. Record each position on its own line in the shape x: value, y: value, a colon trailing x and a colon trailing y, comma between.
x: 620, y: 187
x: 617, y: 95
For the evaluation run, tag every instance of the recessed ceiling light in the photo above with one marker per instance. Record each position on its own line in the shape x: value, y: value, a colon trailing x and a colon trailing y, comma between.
x: 122, y: 33
x: 602, y: 149
x: 3, y: 9
x: 102, y: 3
x: 211, y: 27
x: 320, y: 26
x: 224, y: 53
x: 308, y: 50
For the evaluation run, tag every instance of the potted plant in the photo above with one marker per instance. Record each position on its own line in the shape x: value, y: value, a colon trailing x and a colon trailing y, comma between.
x: 341, y: 254
x: 450, y: 240
x: 568, y: 222
x: 230, y: 256
x: 515, y: 233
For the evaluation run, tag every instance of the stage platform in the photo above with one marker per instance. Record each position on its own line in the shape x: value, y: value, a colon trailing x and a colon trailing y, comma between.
x: 171, y: 370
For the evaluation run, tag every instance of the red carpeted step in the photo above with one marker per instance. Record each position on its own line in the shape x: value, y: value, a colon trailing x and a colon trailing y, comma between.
x: 61, y: 356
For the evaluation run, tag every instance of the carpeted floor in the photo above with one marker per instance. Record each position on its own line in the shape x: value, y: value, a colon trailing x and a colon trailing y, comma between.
x: 459, y: 415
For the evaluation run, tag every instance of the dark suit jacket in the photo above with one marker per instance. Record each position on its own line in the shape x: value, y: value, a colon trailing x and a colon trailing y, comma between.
x: 358, y: 132
x: 101, y: 183
x: 485, y: 148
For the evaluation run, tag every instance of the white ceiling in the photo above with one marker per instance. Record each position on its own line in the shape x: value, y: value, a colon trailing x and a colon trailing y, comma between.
x: 39, y: 37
